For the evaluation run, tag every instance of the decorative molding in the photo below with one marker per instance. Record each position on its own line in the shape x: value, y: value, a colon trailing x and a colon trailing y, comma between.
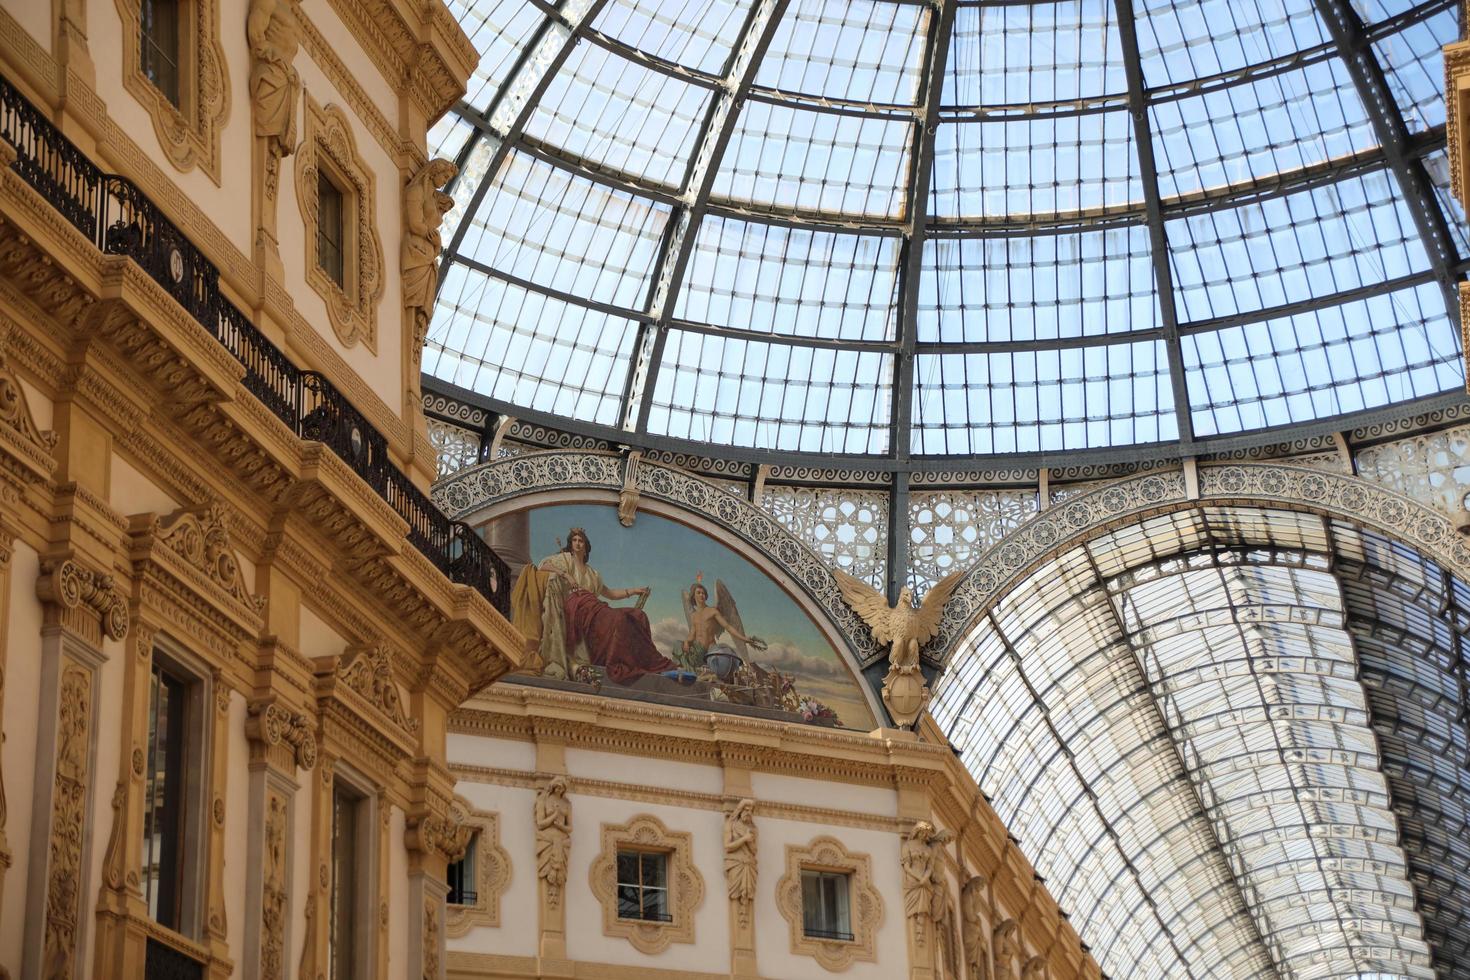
x: 273, y: 726
x: 431, y: 939
x: 189, y: 133
x: 492, y: 872
x: 71, y: 587
x: 629, y: 495
x: 352, y: 308
x: 68, y: 821
x: 865, y: 904
x: 30, y: 449
x: 1006, y: 942
x: 685, y: 883
x: 368, y: 670
x: 432, y: 833
x: 325, y: 56
x: 553, y: 816
x: 201, y: 536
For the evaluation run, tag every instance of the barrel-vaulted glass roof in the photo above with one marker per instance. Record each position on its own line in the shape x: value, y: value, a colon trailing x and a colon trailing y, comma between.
x: 902, y: 229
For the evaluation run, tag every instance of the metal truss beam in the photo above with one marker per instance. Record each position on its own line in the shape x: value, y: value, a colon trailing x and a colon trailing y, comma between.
x: 683, y: 227
x: 1356, y: 50
x: 911, y: 256
x: 1143, y: 142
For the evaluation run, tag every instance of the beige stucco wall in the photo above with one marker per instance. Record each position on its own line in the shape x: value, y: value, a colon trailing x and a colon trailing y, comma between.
x: 22, y: 719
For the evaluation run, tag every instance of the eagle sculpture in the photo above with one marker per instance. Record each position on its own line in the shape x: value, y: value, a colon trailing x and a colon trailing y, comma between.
x: 907, y: 628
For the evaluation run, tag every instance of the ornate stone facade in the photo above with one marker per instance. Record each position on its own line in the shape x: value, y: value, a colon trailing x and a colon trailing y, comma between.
x: 865, y: 904
x: 685, y: 884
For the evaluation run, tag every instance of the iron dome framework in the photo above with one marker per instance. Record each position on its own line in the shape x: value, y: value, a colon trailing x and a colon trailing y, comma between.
x: 893, y: 234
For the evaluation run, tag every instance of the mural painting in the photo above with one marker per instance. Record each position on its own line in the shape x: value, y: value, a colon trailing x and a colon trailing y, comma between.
x: 666, y: 610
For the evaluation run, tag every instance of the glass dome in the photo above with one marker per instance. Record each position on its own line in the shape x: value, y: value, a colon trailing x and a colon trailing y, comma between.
x: 910, y: 230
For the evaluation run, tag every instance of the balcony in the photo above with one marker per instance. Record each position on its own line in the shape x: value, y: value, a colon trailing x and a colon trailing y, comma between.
x: 119, y: 219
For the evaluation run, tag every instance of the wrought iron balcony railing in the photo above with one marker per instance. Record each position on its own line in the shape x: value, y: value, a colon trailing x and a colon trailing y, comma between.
x: 121, y: 220
x: 164, y: 962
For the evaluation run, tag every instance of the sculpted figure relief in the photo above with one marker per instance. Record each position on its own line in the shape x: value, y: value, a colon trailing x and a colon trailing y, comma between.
x: 907, y: 627
x: 740, y: 856
x: 1007, y: 948
x: 553, y: 836
x: 273, y: 30
x: 977, y: 946
x: 424, y: 208
x: 925, y: 895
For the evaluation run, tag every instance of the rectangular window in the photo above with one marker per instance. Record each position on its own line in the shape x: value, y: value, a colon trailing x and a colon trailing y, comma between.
x: 329, y: 228
x: 160, y: 20
x: 166, y: 794
x: 347, y: 818
x: 824, y: 913
x: 643, y: 886
x: 462, y: 877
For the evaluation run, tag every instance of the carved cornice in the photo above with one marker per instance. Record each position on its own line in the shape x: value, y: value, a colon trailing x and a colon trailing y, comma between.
x: 273, y: 726
x: 193, y: 546
x: 445, y: 835
x: 69, y: 587
x: 368, y: 670
x: 428, y: 56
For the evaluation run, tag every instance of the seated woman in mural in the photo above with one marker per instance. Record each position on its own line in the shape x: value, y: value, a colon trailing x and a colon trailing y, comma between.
x: 576, y: 624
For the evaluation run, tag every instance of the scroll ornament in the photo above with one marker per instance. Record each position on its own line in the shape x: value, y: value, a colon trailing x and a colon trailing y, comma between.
x: 203, y: 540
x: 68, y: 584
x: 369, y: 672
x: 273, y: 724
x: 446, y: 836
x: 907, y: 628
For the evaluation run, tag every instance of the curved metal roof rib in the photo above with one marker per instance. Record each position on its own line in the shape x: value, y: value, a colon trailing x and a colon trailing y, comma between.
x: 900, y: 231
x: 1232, y: 739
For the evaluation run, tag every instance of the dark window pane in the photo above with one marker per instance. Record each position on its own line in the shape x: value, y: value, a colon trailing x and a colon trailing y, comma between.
x: 329, y: 238
x: 343, y: 937
x: 824, y: 909
x: 159, y: 45
x: 163, y: 801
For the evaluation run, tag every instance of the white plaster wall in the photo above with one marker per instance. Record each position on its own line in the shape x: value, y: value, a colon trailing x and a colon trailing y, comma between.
x: 874, y: 800
x: 22, y: 701
x: 106, y: 769
x: 227, y: 203
x: 133, y: 493
x: 517, y: 934
x: 774, y: 958
x: 317, y: 638
x: 237, y: 823
x: 476, y: 750
x: 643, y: 771
x: 585, y: 940
x: 381, y: 371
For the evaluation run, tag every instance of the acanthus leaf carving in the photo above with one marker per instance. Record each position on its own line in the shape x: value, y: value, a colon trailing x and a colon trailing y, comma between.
x: 272, y: 724
x: 68, y: 822
x: 200, y: 536
x: 19, y: 433
x: 66, y: 583
x: 368, y: 670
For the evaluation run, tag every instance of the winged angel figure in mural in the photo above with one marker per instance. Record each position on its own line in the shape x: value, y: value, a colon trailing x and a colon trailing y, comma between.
x: 907, y: 627
x: 708, y: 623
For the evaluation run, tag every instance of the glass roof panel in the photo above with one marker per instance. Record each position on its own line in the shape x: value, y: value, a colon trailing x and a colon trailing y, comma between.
x: 1275, y: 202
x: 1413, y: 62
x: 1319, y: 363
x: 1314, y: 243
x: 798, y: 159
x: 858, y: 50
x: 736, y: 392
x: 1256, y: 129
x: 1184, y: 40
x: 1042, y: 401
x: 553, y: 228
x: 698, y: 36
x: 1043, y: 166
x: 530, y: 333
x: 1021, y: 54
x: 773, y: 279
x: 613, y: 113
x: 499, y: 30
x: 1083, y: 284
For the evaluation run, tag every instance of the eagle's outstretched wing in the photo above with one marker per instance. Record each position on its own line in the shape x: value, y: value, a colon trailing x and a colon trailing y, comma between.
x: 926, y: 618
x: 870, y: 605
x: 725, y: 603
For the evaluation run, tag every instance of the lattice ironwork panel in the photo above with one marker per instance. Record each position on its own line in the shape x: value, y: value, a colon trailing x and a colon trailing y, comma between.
x: 454, y: 448
x: 848, y: 528
x: 949, y: 529
x: 1434, y: 469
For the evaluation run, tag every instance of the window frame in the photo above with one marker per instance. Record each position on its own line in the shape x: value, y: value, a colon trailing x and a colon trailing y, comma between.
x: 346, y: 204
x: 664, y: 911
x: 181, y: 50
x: 348, y: 782
x: 468, y: 876
x: 193, y: 800
x: 842, y: 931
